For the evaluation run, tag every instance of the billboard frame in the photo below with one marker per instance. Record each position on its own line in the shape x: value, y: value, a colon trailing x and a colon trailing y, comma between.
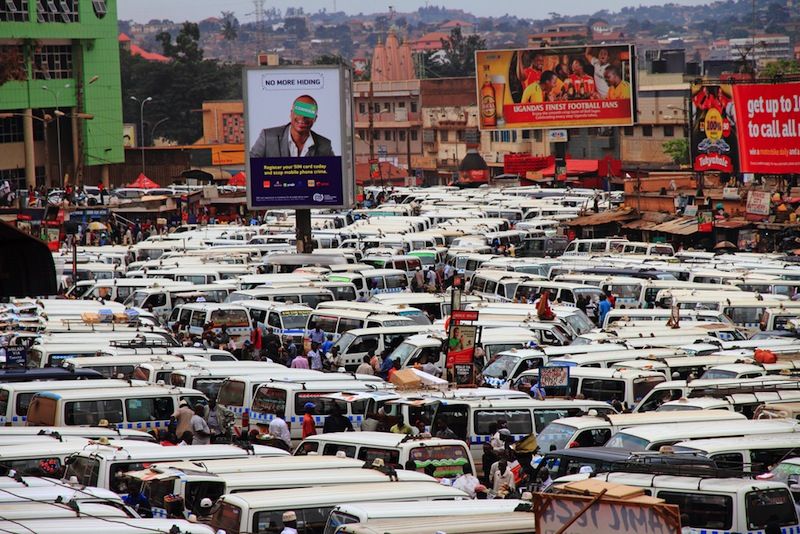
x: 346, y: 124
x: 633, y: 81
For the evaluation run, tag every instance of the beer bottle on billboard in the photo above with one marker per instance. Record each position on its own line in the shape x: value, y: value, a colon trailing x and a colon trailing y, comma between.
x: 488, y: 101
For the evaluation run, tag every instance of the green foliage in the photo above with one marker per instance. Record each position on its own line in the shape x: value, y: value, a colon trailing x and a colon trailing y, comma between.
x: 186, y: 48
x: 457, y: 57
x: 178, y: 88
x: 780, y: 67
x: 330, y: 59
x: 678, y: 150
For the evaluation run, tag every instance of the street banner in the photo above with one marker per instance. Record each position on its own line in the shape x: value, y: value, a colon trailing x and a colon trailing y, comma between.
x: 298, y: 137
x: 714, y: 145
x: 769, y: 127
x: 556, y: 87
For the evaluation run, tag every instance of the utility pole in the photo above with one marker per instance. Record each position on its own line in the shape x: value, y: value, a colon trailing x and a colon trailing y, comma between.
x: 141, y: 123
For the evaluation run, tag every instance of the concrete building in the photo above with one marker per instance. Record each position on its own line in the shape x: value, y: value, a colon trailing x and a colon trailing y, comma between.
x: 60, y: 97
x: 662, y: 115
x: 762, y: 48
x: 223, y: 122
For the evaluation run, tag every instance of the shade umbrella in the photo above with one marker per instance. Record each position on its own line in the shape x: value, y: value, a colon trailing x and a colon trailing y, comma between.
x: 238, y: 179
x: 97, y: 226
x: 725, y: 245
x: 143, y: 182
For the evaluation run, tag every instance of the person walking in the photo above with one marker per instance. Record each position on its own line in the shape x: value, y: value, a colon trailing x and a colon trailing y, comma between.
x: 182, y: 418
x: 309, y: 426
x: 201, y: 434
x: 299, y: 362
x: 336, y: 422
x: 279, y: 430
x: 365, y: 368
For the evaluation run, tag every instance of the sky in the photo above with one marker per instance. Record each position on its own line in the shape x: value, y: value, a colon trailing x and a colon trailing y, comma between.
x: 180, y: 10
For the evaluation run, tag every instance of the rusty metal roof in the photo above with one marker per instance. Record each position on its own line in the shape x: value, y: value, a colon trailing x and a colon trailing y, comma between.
x: 604, y: 217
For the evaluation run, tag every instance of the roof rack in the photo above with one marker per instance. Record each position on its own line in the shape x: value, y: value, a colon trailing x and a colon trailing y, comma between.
x: 140, y: 343
x: 723, y: 390
x: 698, y: 470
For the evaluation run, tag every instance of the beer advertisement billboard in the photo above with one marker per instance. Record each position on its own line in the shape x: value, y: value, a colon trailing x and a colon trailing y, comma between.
x: 714, y: 145
x: 298, y: 128
x: 556, y: 87
x: 769, y: 127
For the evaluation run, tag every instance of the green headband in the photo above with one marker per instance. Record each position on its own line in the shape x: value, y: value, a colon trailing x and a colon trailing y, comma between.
x: 305, y: 109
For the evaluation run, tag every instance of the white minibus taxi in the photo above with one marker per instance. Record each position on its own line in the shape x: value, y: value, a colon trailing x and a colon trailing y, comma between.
x: 288, y: 400
x: 308, y: 296
x: 403, y: 310
x: 751, y: 454
x: 287, y: 321
x: 233, y: 318
x: 473, y: 420
x: 715, y: 505
x: 588, y: 431
x: 489, y: 523
x: 123, y: 367
x: 262, y: 511
x: 103, y: 466
x: 86, y: 525
x: 357, y: 343
x: 653, y: 437
x: 336, y: 322
x: 140, y: 407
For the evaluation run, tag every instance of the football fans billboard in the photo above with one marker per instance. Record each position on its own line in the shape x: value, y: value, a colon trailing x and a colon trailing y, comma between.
x: 769, y: 127
x: 298, y: 129
x: 714, y: 144
x: 556, y: 87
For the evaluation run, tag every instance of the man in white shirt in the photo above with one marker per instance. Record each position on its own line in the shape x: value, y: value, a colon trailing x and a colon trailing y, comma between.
x: 279, y: 429
x: 201, y: 434
x: 600, y: 63
x: 314, y: 357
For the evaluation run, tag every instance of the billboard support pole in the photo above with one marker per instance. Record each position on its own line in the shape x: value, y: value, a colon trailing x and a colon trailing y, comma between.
x: 303, y: 223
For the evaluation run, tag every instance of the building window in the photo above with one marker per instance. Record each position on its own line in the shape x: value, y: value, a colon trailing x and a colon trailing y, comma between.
x: 686, y: 132
x: 12, y: 57
x: 628, y: 131
x: 362, y: 108
x: 505, y: 136
x: 232, y: 128
x: 387, y: 135
x: 52, y: 62
x: 669, y: 130
x: 100, y: 8
x: 537, y: 136
x: 444, y: 136
x: 14, y: 11
x: 413, y: 135
x: 401, y: 135
x: 387, y: 106
x: 647, y: 130
x: 376, y: 108
x: 401, y: 104
x: 11, y: 130
x: 57, y: 10
x: 513, y: 136
x: 376, y: 135
x: 413, y: 107
x: 494, y: 137
x: 526, y: 134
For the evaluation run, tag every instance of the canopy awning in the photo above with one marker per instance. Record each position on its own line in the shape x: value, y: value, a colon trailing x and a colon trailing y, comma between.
x: 143, y: 182
x: 679, y: 226
x: 604, y: 217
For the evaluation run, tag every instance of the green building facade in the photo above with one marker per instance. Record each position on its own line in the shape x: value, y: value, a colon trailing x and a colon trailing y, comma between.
x: 59, y: 85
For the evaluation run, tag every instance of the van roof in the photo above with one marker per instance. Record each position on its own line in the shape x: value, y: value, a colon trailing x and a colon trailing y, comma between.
x: 269, y: 305
x: 636, y: 419
x: 319, y: 477
x: 154, y: 452
x: 333, y: 495
x: 487, y: 523
x: 393, y: 329
x: 595, y: 372
x: 655, y: 432
x: 254, y: 464
x: 59, y: 385
x: 715, y: 445
x: 528, y: 403
x: 381, y: 439
x: 117, y: 392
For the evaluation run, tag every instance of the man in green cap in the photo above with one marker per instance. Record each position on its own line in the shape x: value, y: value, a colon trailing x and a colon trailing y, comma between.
x: 294, y: 139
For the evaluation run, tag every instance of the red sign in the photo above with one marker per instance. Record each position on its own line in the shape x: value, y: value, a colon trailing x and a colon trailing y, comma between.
x: 523, y: 163
x: 464, y: 315
x: 769, y: 127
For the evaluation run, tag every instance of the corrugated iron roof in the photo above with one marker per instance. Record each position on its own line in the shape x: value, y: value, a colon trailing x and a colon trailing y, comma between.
x: 604, y: 217
x: 679, y: 226
x: 732, y: 224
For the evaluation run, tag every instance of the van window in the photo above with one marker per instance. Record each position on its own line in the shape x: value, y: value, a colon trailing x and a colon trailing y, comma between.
x: 603, y: 390
x: 330, y: 449
x: 364, y: 344
x: 389, y: 456
x: 643, y: 386
x: 231, y: 393
x: 88, y: 413
x: 322, y: 406
x: 4, y: 397
x: 184, y: 317
x: 274, y: 320
x: 744, y: 315
x: 396, y: 281
x: 478, y: 284
x: 766, y: 506
x: 156, y: 300
x: 730, y: 460
x: 713, y: 512
x: 346, y: 325
x: 312, y: 301
x: 229, y: 318
x: 270, y: 400
x: 198, y: 319
x: 326, y: 323
x: 34, y: 467
x: 519, y: 421
x: 154, y: 409
x: 343, y: 293
x: 227, y: 518
x: 86, y: 470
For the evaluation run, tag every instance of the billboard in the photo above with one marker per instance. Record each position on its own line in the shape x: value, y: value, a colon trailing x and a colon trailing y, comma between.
x: 298, y: 137
x: 713, y: 136
x: 555, y: 87
x: 769, y: 127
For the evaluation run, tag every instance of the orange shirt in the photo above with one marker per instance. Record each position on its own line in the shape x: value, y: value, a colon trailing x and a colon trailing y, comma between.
x: 309, y: 427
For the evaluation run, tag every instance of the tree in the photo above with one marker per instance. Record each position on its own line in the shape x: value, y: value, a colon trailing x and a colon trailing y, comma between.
x: 330, y: 59
x: 457, y: 56
x: 229, y: 30
x: 780, y: 67
x: 186, y: 48
x: 678, y: 150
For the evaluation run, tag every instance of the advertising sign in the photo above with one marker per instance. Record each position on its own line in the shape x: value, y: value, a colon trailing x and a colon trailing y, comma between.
x: 299, y: 137
x: 619, y: 516
x: 714, y: 143
x: 16, y: 357
x: 461, y: 344
x: 757, y: 205
x: 554, y: 377
x: 769, y: 127
x: 555, y: 87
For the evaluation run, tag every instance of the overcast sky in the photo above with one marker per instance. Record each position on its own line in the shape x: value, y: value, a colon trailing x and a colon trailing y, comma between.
x: 179, y: 10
